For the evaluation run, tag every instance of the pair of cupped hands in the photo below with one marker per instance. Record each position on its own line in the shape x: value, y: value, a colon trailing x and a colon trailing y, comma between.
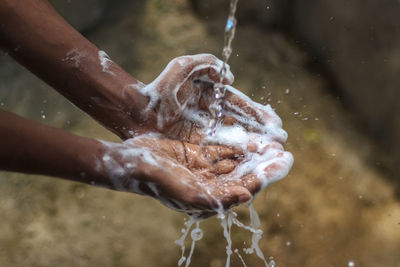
x: 168, y: 158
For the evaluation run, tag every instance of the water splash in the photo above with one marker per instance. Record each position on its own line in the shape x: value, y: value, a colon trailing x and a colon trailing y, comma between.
x: 240, y: 257
x: 227, y: 218
x: 196, y: 234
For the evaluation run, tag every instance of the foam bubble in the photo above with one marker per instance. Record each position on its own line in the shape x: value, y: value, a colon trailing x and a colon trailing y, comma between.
x: 105, y: 62
x: 262, y: 130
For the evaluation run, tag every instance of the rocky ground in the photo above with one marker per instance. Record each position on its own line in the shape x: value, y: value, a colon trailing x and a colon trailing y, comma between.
x: 335, y: 206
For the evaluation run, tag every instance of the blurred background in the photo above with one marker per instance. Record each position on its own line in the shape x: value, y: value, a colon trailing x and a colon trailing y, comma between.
x: 331, y: 69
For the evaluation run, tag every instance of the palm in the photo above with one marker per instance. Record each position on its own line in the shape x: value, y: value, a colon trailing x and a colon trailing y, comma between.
x: 190, y: 177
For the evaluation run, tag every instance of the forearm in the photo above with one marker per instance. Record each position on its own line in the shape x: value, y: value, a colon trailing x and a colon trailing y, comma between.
x: 33, y: 33
x: 29, y: 147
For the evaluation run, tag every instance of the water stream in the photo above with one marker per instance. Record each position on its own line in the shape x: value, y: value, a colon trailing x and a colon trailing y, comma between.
x: 219, y: 88
x: 227, y: 218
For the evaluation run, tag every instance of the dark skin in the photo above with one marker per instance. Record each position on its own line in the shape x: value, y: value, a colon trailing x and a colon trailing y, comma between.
x: 34, y: 148
x: 35, y: 35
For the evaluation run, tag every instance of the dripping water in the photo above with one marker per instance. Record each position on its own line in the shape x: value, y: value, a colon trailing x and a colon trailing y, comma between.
x: 227, y: 218
x: 219, y: 88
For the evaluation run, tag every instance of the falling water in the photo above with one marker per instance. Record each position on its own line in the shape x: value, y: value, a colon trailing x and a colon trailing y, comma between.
x: 227, y: 218
x: 219, y: 88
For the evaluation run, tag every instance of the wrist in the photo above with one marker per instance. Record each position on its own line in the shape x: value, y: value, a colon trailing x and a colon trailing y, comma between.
x: 88, y: 162
x: 113, y: 96
x: 113, y: 165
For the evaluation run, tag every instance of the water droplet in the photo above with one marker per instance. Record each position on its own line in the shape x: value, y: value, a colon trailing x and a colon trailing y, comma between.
x: 288, y: 243
x: 196, y: 234
x: 43, y: 116
x: 230, y: 24
x: 182, y: 260
x: 351, y: 264
x: 287, y: 91
x: 129, y: 165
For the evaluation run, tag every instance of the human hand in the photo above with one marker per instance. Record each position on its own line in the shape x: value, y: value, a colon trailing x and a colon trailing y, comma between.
x: 199, y: 180
x: 179, y: 111
x: 177, y: 88
x: 183, y: 176
x: 180, y: 99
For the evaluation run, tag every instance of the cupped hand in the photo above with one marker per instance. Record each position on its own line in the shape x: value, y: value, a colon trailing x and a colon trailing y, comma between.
x: 177, y: 88
x: 198, y: 180
x: 183, y: 176
x: 172, y: 158
x: 180, y: 99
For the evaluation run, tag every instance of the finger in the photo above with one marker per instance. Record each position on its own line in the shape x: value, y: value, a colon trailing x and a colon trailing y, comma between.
x: 189, y: 93
x: 225, y: 166
x: 229, y: 120
x: 203, y: 78
x: 252, y: 147
x: 217, y: 65
x: 274, y: 146
x: 233, y: 196
x: 217, y: 152
x: 237, y: 109
x: 194, y: 157
x: 215, y: 159
x: 212, y: 75
x: 276, y: 169
x: 189, y: 68
x: 253, y: 116
x: 243, y: 105
x: 195, y: 63
x: 252, y: 183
